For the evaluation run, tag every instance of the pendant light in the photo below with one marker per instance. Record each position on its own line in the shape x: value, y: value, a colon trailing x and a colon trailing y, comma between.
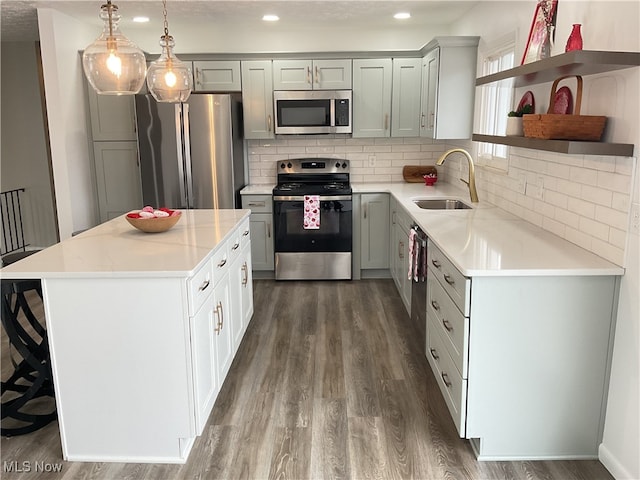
x: 113, y: 64
x: 169, y: 79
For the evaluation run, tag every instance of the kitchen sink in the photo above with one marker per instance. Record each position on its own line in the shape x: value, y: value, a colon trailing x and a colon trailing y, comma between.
x: 441, y: 204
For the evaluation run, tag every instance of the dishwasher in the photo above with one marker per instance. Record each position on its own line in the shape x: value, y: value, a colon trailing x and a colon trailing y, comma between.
x: 418, y: 272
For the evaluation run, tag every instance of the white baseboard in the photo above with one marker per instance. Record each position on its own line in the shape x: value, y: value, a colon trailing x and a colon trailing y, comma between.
x: 612, y: 464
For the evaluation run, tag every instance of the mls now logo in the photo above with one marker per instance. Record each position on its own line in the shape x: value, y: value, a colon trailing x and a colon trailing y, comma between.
x: 27, y: 466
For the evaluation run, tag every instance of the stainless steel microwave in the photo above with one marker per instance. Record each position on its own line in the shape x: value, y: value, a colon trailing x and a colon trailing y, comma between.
x: 312, y: 111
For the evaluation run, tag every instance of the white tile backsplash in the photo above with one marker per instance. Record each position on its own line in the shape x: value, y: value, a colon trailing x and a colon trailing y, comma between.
x: 585, y: 198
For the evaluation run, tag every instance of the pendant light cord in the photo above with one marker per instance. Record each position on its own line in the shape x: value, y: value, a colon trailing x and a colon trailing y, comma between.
x: 166, y: 22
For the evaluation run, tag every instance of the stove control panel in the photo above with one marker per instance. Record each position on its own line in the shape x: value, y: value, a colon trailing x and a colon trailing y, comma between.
x: 314, y: 165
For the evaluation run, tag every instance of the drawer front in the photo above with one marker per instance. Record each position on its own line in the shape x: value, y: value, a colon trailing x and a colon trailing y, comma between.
x: 220, y: 261
x: 455, y: 284
x: 199, y: 286
x: 452, y: 385
x: 245, y: 234
x: 258, y: 203
x: 453, y: 326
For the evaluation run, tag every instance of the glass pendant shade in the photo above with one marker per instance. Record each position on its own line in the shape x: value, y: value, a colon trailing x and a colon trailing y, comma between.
x: 112, y: 63
x: 169, y: 79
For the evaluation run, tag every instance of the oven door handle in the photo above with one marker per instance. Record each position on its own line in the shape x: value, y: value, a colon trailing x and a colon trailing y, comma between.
x: 300, y: 198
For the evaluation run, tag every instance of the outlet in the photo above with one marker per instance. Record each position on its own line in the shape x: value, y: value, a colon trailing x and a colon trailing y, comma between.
x: 522, y: 184
x: 539, y: 190
x: 635, y: 218
x: 372, y: 160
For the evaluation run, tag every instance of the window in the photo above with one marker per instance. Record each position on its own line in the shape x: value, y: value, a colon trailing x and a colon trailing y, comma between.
x: 495, y: 103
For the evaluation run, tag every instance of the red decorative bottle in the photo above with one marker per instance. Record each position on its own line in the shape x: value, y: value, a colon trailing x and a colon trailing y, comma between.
x: 575, y: 39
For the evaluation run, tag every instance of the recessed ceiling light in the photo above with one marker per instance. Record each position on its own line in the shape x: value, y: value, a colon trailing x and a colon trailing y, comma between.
x: 402, y: 15
x: 271, y: 18
x: 141, y: 19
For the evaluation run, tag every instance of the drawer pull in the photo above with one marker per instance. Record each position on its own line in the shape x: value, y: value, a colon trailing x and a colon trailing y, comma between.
x: 447, y: 325
x: 256, y: 204
x: 222, y: 263
x: 435, y: 263
x: 434, y: 353
x: 435, y: 305
x: 245, y: 276
x: 445, y: 379
x: 204, y: 285
x: 449, y: 280
x: 245, y: 233
x: 220, y: 315
x: 235, y: 246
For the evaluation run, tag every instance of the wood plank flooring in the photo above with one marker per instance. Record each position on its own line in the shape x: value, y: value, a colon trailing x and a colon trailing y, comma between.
x: 330, y: 382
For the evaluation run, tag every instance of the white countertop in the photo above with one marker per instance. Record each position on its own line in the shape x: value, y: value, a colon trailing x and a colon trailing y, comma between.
x: 486, y: 240
x: 116, y: 249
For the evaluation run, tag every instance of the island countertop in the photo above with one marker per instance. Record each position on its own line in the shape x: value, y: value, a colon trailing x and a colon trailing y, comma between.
x: 117, y: 249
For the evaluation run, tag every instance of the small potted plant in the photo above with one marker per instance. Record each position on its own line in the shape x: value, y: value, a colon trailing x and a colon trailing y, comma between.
x: 514, y: 120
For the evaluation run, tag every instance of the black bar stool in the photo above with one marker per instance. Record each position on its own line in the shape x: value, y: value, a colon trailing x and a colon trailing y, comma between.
x: 25, y: 406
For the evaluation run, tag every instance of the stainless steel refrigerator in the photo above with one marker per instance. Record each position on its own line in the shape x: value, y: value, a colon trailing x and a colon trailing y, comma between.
x: 191, y: 154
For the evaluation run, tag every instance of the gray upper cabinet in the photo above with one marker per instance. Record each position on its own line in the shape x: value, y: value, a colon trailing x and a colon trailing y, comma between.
x: 257, y: 99
x: 447, y: 105
x: 112, y: 117
x: 405, y: 105
x: 332, y: 74
x: 217, y: 76
x: 372, y: 97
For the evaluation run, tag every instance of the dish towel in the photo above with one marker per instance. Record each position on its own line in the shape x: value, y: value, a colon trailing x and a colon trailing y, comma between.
x: 413, y: 254
x: 311, y: 212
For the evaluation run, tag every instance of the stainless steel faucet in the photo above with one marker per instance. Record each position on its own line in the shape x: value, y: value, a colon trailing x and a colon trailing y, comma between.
x: 471, y: 183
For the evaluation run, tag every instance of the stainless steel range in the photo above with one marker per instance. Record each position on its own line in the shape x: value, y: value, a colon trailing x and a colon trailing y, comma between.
x: 313, y: 219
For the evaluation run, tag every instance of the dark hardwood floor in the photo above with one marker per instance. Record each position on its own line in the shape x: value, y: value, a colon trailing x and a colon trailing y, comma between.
x: 330, y: 382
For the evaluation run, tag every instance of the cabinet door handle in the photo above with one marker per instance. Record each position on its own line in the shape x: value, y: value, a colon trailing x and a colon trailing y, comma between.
x: 447, y: 325
x: 268, y: 230
x: 434, y: 353
x: 268, y: 123
x: 222, y: 263
x: 245, y: 276
x: 435, y: 305
x: 198, y: 76
x: 221, y: 315
x: 364, y: 207
x: 317, y: 75
x: 235, y: 246
x: 218, y: 326
x: 204, y: 286
x: 393, y: 218
x: 386, y: 121
x: 445, y: 379
x: 309, y: 75
x: 401, y: 249
x: 435, y: 263
x: 422, y: 121
x: 433, y: 117
x: 449, y: 280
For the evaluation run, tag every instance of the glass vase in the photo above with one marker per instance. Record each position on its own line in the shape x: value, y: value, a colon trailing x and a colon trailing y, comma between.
x: 547, y: 44
x: 575, y: 39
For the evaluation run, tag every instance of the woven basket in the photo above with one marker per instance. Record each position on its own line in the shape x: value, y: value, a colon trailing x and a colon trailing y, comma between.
x: 552, y: 126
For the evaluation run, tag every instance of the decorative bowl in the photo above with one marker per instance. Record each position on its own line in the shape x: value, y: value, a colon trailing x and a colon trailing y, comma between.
x: 154, y: 224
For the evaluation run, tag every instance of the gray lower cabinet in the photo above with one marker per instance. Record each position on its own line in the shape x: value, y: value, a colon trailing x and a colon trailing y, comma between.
x: 522, y: 362
x: 117, y: 178
x: 374, y: 228
x: 261, y: 225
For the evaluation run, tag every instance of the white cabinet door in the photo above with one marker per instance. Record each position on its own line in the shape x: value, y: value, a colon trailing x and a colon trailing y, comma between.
x: 203, y: 345
x: 217, y: 76
x: 374, y: 227
x: 117, y: 178
x: 257, y: 99
x: 112, y: 117
x: 405, y: 105
x: 372, y: 97
x: 223, y: 317
x: 246, y: 287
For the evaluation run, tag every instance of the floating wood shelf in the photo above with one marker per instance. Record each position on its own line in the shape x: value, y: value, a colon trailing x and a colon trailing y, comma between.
x: 577, y: 62
x: 560, y: 146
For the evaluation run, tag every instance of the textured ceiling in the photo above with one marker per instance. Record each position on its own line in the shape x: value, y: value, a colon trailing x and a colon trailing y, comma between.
x: 19, y: 22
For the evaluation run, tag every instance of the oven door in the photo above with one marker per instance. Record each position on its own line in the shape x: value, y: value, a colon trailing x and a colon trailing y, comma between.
x: 306, y: 254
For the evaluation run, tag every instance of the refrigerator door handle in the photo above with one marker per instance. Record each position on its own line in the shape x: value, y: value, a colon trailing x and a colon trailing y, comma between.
x: 180, y: 157
x: 187, y: 154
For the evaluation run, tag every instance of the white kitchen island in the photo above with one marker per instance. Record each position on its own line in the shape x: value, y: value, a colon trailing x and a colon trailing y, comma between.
x: 142, y: 330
